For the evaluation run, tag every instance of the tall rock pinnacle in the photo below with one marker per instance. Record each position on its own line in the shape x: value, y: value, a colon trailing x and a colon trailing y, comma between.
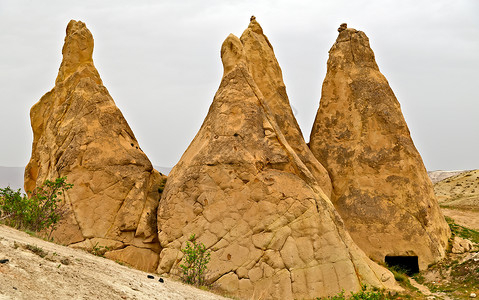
x: 243, y: 189
x: 380, y: 184
x: 266, y: 72
x: 79, y: 132
x: 77, y: 50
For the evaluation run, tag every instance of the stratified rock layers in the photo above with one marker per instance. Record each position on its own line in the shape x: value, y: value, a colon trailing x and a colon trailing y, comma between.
x: 245, y: 193
x: 80, y: 133
x: 380, y: 186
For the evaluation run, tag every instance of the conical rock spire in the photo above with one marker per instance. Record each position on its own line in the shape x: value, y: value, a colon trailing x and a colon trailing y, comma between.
x: 247, y: 195
x: 380, y: 184
x: 79, y: 132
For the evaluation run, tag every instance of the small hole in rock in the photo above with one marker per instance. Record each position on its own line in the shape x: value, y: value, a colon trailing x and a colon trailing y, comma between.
x: 408, y: 264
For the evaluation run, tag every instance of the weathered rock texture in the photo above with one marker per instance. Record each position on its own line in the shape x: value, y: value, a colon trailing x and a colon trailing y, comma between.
x: 248, y: 195
x: 80, y: 133
x: 380, y: 186
x: 265, y: 70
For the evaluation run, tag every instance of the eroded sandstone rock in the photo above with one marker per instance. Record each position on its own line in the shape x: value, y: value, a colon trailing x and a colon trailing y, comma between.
x: 460, y: 245
x: 80, y: 133
x: 247, y: 193
x: 267, y: 74
x: 380, y: 185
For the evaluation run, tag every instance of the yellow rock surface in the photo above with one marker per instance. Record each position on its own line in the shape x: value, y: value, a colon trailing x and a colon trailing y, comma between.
x: 80, y: 133
x: 251, y: 197
x: 380, y: 186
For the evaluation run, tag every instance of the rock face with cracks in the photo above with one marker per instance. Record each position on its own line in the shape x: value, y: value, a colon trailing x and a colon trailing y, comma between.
x: 80, y: 133
x: 253, y: 199
x: 380, y: 185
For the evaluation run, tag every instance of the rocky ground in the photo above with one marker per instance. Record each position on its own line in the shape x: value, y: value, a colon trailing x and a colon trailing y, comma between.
x: 457, y: 276
x: 31, y: 268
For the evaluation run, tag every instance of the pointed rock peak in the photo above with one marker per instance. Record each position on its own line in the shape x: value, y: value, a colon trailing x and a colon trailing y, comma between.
x: 244, y: 187
x: 232, y: 53
x: 267, y: 74
x: 342, y: 27
x: 80, y: 133
x: 77, y: 49
x: 362, y: 139
x: 351, y: 47
x: 254, y: 25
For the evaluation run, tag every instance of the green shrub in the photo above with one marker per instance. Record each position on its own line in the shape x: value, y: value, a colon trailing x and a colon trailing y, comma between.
x: 194, y: 264
x: 41, y: 211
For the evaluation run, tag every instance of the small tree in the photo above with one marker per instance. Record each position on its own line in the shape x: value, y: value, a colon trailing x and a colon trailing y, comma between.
x: 42, y: 210
x: 194, y: 264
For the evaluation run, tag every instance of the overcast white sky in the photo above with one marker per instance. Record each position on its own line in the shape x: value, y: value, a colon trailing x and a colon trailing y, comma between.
x: 160, y: 61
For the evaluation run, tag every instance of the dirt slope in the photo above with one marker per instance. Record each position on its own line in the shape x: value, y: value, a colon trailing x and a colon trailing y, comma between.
x: 65, y: 273
x: 458, y: 197
x: 460, y: 191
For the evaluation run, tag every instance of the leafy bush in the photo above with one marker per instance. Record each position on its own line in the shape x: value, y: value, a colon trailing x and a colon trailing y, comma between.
x: 195, y: 260
x: 41, y: 211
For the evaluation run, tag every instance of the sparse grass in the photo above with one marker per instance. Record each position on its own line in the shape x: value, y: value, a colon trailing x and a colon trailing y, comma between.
x: 454, y: 276
x: 122, y: 263
x: 37, y: 250
x: 364, y: 294
x: 399, y: 275
x: 463, y: 232
x: 99, y: 250
x: 419, y: 277
x: 457, y: 280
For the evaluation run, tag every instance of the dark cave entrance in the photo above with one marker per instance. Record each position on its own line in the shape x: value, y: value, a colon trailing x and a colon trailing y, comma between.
x: 409, y: 264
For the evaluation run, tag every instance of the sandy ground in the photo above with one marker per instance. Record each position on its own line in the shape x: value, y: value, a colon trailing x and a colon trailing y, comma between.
x: 466, y: 218
x: 458, y: 197
x: 66, y: 273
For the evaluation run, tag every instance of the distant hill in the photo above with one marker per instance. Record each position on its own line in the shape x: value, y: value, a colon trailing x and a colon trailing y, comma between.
x: 437, y: 176
x: 459, y: 191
